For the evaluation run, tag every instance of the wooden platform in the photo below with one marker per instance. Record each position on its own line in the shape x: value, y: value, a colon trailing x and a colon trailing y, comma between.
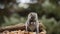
x: 17, y: 32
x: 16, y: 29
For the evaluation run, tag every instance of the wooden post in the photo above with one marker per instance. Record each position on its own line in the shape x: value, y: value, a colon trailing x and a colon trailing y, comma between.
x: 19, y: 31
x: 12, y: 32
x: 32, y: 32
x: 8, y: 32
x: 22, y: 32
x: 5, y: 32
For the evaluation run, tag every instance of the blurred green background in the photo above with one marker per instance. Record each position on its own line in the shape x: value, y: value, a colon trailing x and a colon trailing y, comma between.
x: 13, y: 12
